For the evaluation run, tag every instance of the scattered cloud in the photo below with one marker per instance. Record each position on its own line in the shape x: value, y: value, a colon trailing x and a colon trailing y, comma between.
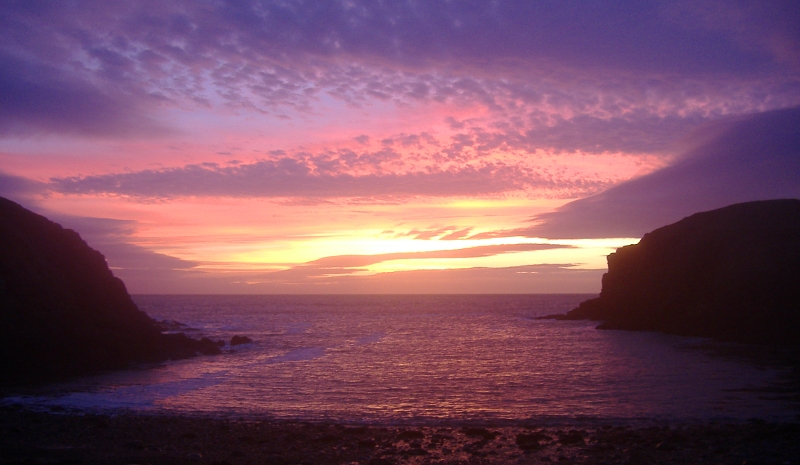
x: 106, y: 68
x: 288, y: 177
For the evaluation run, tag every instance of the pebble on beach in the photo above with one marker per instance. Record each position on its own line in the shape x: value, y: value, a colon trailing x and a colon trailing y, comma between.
x: 63, y: 437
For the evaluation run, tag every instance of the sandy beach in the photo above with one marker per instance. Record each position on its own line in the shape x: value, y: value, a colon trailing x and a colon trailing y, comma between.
x: 67, y: 437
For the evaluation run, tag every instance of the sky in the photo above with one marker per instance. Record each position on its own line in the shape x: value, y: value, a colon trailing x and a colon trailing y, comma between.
x: 390, y: 147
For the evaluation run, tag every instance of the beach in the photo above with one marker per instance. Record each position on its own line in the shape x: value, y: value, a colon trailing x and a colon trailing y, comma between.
x: 28, y: 436
x: 413, y: 380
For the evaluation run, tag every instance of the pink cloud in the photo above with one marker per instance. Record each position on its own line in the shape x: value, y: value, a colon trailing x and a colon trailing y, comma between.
x: 353, y: 261
x: 289, y: 177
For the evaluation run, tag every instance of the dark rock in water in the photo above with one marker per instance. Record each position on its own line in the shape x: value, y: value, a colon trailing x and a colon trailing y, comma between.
x: 208, y: 342
x: 62, y: 311
x: 731, y: 274
x: 238, y: 340
x: 170, y: 325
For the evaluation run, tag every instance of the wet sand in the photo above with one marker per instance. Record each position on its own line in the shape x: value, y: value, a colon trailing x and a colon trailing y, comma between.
x: 64, y: 437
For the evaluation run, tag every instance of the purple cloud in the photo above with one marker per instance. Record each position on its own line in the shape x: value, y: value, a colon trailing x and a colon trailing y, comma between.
x: 106, y: 68
x: 19, y: 189
x: 141, y: 269
x: 618, y: 34
x: 290, y: 177
x: 41, y: 98
x: 747, y: 158
x: 111, y: 237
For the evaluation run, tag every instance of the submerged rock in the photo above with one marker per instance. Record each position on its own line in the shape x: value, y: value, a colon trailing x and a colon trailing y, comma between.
x: 731, y: 274
x: 62, y: 311
x: 239, y: 340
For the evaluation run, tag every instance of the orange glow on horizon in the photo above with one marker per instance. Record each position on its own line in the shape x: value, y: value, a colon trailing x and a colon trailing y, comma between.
x: 228, y: 237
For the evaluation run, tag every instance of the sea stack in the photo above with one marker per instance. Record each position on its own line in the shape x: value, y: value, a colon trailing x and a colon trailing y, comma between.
x: 62, y: 311
x: 731, y: 274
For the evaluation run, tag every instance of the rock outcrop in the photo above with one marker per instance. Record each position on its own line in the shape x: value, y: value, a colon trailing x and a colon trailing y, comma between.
x: 239, y: 340
x: 62, y: 311
x: 731, y: 274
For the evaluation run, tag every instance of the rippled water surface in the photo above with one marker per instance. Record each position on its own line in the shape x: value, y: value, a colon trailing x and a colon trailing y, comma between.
x: 428, y: 359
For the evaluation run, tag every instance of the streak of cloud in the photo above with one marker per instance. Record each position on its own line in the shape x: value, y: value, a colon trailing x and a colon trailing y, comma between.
x: 545, y: 278
x: 19, y: 189
x: 287, y: 177
x: 112, y: 238
x: 354, y: 261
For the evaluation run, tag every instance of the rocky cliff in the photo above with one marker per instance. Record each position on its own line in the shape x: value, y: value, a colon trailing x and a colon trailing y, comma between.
x: 730, y: 274
x: 62, y: 311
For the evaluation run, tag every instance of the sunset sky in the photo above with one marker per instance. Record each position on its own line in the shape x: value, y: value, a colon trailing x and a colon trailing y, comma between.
x: 398, y: 146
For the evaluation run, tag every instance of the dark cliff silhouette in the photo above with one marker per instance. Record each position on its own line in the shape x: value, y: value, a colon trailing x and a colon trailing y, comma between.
x: 731, y: 274
x: 62, y: 311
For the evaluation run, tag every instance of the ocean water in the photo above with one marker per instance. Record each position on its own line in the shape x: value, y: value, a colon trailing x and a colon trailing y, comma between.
x: 426, y: 359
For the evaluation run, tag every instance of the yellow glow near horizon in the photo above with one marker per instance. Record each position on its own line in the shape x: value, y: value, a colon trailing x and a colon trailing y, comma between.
x: 582, y: 254
x: 256, y: 237
x: 310, y: 248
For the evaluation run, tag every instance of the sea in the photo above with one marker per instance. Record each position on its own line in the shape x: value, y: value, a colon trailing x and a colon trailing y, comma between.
x: 427, y: 359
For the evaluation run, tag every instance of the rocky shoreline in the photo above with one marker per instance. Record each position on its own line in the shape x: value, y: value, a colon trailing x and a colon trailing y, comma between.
x: 63, y: 313
x: 731, y: 274
x: 128, y: 438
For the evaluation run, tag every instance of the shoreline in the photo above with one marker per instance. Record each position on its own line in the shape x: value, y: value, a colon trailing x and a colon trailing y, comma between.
x: 28, y: 436
x: 552, y: 422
